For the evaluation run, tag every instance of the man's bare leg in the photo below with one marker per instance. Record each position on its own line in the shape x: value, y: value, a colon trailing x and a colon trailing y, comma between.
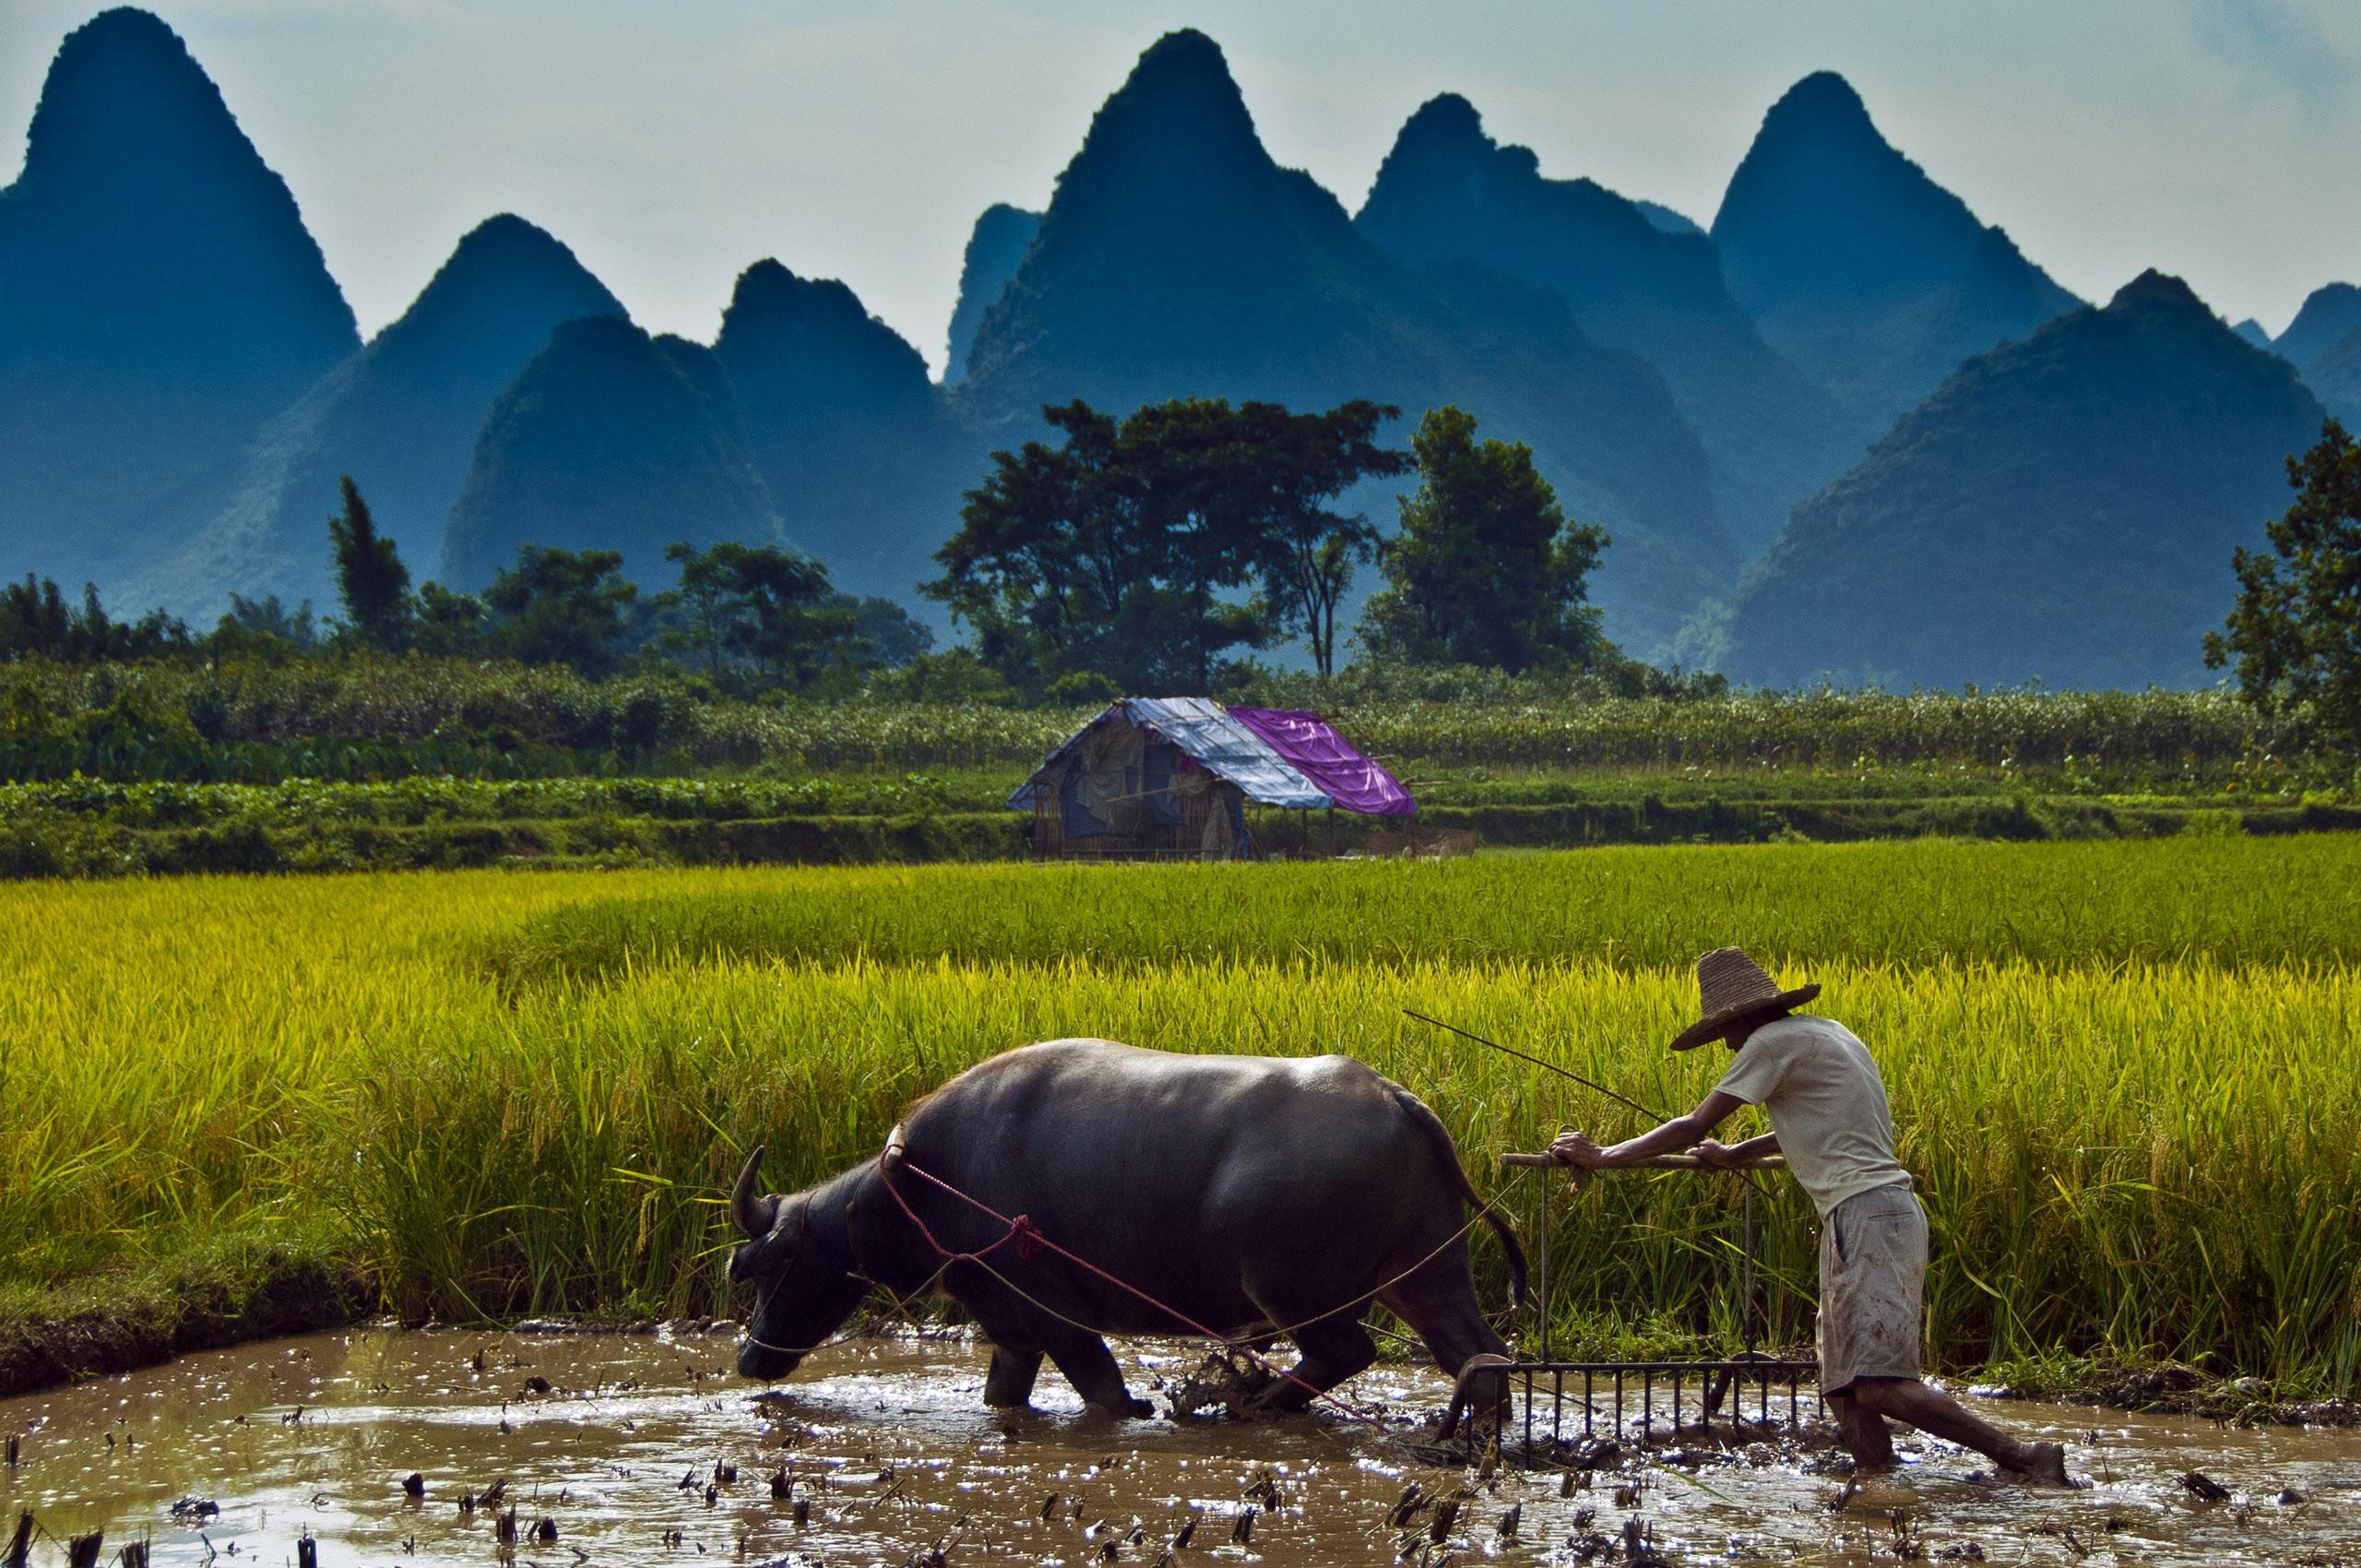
x: 1911, y: 1402
x: 1865, y: 1434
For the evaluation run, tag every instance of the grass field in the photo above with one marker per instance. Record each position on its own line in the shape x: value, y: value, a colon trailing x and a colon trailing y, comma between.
x: 2123, y: 1073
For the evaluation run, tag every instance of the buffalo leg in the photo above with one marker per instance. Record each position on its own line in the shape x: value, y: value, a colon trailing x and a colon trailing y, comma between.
x: 1087, y: 1364
x: 1009, y: 1383
x: 1443, y: 1314
x: 1333, y: 1350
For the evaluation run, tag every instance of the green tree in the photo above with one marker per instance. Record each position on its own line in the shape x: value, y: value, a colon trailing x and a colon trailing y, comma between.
x: 35, y: 619
x: 1122, y: 551
x: 702, y: 604
x: 448, y: 625
x: 263, y: 629
x: 895, y: 636
x: 560, y: 607
x: 370, y: 576
x: 1486, y: 570
x: 1306, y: 552
x: 767, y: 618
x: 2295, y: 633
x: 792, y: 628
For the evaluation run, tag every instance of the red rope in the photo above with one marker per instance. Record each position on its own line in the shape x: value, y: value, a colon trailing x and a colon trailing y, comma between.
x: 1028, y: 1237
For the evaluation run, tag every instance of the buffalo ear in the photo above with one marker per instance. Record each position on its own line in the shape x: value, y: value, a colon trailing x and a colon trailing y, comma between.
x: 768, y: 1253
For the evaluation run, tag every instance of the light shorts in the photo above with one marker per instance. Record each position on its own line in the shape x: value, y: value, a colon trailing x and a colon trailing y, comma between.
x: 1873, y: 1269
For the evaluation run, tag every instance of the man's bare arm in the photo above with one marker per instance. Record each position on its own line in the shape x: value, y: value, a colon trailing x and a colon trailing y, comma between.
x: 1679, y: 1134
x: 1730, y: 1156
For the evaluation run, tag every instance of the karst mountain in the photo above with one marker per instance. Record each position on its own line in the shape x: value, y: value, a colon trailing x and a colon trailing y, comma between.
x: 995, y: 248
x: 1178, y: 259
x: 2063, y: 509
x: 1849, y: 428
x: 1448, y: 193
x: 159, y: 298
x: 400, y: 416
x: 845, y: 427
x: 1857, y: 265
x: 2329, y: 315
x: 610, y: 439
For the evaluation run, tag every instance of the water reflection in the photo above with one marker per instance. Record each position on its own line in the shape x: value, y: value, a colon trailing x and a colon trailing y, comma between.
x: 640, y: 1449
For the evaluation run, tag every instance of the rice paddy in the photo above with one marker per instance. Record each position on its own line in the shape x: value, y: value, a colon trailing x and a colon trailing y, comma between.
x: 2122, y: 1071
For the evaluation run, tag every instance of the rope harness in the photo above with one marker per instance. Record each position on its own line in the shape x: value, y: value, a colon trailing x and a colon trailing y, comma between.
x: 1029, y: 1241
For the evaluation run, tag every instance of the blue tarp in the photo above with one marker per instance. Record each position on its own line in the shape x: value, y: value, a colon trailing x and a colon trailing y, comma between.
x: 1204, y: 732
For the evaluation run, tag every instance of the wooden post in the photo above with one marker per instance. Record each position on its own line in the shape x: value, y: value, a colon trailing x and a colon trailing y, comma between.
x: 307, y: 1553
x: 1746, y: 1297
x: 16, y: 1448
x: 135, y: 1554
x: 82, y: 1551
x: 20, y: 1545
x: 1541, y: 1291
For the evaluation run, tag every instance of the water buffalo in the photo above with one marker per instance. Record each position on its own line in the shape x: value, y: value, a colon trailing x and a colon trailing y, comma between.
x: 1242, y: 1191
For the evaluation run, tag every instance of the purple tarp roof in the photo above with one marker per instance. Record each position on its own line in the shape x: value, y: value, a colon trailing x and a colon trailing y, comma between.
x: 1348, y: 778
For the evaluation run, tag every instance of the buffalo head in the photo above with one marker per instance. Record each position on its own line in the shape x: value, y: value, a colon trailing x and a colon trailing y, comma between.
x: 805, y: 1283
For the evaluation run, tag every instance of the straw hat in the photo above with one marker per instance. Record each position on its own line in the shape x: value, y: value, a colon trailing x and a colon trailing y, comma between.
x: 1731, y: 986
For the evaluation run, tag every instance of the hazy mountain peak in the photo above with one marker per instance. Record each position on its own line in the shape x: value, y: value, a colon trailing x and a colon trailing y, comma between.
x: 996, y: 248
x: 2158, y: 291
x: 119, y: 59
x: 506, y: 276
x: 133, y: 155
x: 813, y: 321
x: 1861, y: 269
x: 843, y: 424
x: 1446, y: 122
x: 1179, y: 122
x: 162, y: 297
x: 609, y: 439
x: 2064, y: 508
x: 2330, y: 314
x: 1824, y: 107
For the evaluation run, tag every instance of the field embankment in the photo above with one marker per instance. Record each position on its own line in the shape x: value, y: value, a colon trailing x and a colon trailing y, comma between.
x: 2121, y: 1072
x: 365, y: 763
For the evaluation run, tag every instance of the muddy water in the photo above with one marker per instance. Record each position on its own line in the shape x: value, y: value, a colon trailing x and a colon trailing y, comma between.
x: 890, y: 1454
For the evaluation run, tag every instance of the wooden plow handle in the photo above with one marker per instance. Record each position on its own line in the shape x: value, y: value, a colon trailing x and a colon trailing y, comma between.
x: 1655, y: 1162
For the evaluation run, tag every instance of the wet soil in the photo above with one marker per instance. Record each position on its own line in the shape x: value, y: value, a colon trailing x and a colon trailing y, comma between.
x: 275, y: 1294
x: 649, y: 1448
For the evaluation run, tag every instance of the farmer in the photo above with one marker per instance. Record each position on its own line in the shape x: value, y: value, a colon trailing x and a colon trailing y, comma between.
x: 1828, y: 1115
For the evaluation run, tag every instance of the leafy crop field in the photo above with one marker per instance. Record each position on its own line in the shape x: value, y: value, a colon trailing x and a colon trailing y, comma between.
x: 2123, y: 1072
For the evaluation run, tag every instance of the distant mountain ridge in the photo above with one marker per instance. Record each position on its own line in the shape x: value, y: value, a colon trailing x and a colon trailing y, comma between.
x: 2064, y: 509
x: 1447, y: 191
x: 609, y: 439
x: 159, y: 297
x: 401, y: 417
x: 1859, y: 267
x: 2053, y: 494
x: 1176, y: 259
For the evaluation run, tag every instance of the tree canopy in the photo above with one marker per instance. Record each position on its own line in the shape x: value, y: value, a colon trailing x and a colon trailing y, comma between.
x: 370, y: 576
x: 1485, y: 569
x: 1145, y: 548
x: 2295, y: 633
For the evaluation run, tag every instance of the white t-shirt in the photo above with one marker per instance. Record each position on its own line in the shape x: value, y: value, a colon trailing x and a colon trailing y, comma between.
x: 1820, y: 1089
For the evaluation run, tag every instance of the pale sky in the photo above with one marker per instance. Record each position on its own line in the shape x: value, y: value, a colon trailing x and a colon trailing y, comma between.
x: 672, y: 145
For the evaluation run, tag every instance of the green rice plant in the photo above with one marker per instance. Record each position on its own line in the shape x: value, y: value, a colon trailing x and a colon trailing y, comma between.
x: 2221, y: 900
x: 2121, y: 1074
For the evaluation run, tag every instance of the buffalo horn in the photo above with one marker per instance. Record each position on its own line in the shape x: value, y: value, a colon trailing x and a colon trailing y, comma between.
x: 754, y: 1213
